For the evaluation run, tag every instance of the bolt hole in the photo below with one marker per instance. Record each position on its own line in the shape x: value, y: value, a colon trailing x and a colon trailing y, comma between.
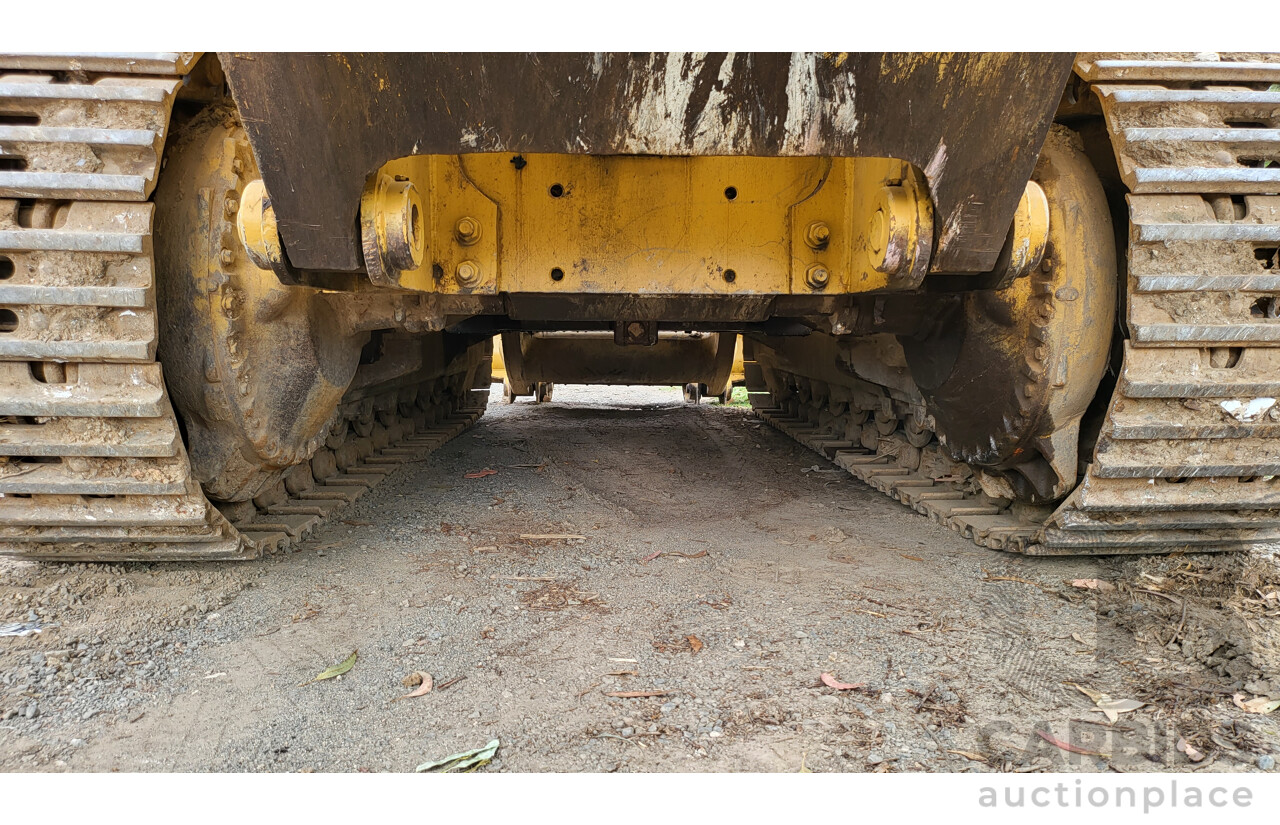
x: 557, y: 274
x: 730, y: 276
x: 49, y: 372
x: 1224, y: 358
x: 19, y: 119
x: 1267, y: 256
x: 8, y: 320
x: 12, y: 164
x: 414, y: 220
x: 556, y: 190
x: 6, y: 268
x: 1265, y: 308
x: 731, y: 193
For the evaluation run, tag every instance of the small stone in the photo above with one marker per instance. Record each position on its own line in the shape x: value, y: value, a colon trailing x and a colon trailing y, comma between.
x: 1266, y: 762
x: 667, y: 708
x: 874, y: 758
x: 800, y: 634
x: 32, y: 711
x: 77, y: 743
x: 739, y: 643
x: 626, y: 731
x: 715, y: 734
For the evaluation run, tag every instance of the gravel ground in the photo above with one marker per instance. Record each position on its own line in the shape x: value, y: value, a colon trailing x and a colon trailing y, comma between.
x: 720, y: 565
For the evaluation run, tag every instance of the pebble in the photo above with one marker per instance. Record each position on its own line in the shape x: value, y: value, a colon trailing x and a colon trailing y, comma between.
x: 874, y: 758
x: 800, y: 634
x: 77, y: 743
x: 1266, y: 762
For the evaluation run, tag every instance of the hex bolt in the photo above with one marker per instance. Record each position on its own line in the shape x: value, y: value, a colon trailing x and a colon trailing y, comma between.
x: 467, y: 230
x: 817, y: 235
x: 817, y: 276
x: 468, y: 273
x: 226, y: 257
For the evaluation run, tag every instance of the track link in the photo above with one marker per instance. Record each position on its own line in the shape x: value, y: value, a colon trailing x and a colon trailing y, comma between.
x: 1188, y: 456
x: 92, y: 463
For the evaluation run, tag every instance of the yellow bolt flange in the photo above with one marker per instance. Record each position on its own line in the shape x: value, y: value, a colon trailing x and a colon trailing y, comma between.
x: 256, y: 223
x: 893, y: 230
x: 393, y: 228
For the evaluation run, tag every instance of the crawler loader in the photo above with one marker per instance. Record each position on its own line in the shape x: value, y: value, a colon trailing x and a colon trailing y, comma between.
x: 1032, y: 296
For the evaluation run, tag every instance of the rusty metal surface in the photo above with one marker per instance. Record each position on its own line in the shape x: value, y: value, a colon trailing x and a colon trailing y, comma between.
x: 321, y: 124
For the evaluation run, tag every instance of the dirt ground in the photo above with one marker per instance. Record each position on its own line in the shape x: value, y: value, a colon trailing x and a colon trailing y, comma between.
x: 720, y: 565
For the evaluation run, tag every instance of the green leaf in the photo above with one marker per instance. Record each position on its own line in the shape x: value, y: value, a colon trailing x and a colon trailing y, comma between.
x: 338, y: 669
x: 467, y: 761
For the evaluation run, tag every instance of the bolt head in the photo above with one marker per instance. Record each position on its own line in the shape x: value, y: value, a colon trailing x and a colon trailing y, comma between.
x: 467, y: 230
x: 817, y: 235
x: 230, y: 204
x: 817, y: 276
x: 226, y: 257
x: 468, y: 273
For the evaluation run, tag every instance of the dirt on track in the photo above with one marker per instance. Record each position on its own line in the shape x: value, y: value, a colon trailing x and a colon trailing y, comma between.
x: 720, y: 565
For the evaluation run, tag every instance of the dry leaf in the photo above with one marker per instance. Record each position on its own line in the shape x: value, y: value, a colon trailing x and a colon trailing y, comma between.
x: 1114, y: 707
x: 695, y: 644
x: 480, y: 473
x: 336, y: 670
x: 970, y: 755
x: 1067, y: 746
x: 1106, y: 705
x: 1093, y: 584
x: 638, y: 694
x: 1258, y: 704
x: 910, y: 558
x: 651, y: 556
x: 420, y: 678
x: 831, y: 681
x: 467, y: 761
x: 1186, y: 747
x: 551, y: 536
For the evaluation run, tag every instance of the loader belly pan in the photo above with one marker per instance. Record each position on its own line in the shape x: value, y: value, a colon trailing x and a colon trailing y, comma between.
x: 321, y: 124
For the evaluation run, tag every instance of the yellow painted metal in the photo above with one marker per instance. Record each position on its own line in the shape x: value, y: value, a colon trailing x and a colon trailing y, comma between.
x: 460, y: 226
x: 498, y: 370
x: 1030, y: 231
x: 738, y: 372
x: 256, y: 222
x: 391, y: 227
x: 878, y: 220
x: 642, y: 225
